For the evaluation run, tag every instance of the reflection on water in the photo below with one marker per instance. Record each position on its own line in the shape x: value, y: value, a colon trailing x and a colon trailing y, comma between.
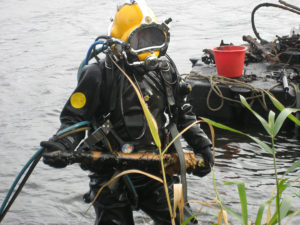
x: 41, y: 46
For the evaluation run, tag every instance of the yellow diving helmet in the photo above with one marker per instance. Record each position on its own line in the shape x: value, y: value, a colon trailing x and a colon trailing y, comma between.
x: 136, y: 24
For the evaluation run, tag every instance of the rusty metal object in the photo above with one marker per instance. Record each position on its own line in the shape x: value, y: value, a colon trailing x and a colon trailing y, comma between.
x: 289, y: 5
x: 281, y: 50
x: 144, y: 161
x: 259, y: 49
x: 285, y: 49
x: 208, y: 51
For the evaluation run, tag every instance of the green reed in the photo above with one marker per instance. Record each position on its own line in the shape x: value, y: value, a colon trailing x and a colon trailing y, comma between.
x: 272, y: 127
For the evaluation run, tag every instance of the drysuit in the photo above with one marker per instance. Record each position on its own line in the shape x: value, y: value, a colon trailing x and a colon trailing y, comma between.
x: 109, y: 96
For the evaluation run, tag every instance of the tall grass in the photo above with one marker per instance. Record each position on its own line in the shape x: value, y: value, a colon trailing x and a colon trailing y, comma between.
x: 272, y: 127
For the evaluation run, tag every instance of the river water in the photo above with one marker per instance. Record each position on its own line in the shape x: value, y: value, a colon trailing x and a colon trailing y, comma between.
x: 41, y: 46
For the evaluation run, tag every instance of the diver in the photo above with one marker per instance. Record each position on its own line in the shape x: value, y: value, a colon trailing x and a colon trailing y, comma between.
x: 136, y: 45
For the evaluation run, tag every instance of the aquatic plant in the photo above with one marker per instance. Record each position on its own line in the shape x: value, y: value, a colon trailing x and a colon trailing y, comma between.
x: 283, y: 203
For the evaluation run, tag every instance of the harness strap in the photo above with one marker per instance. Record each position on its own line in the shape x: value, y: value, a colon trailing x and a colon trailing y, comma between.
x: 169, y: 82
x: 180, y: 153
x: 111, y: 83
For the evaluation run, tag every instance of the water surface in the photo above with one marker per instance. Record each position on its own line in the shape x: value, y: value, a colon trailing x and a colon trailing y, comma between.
x: 41, y: 46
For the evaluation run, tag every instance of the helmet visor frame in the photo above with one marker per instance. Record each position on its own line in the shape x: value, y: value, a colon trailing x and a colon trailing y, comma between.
x: 149, y: 37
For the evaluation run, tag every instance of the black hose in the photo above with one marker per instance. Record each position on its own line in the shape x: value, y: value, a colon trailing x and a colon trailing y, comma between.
x: 32, y: 164
x: 102, y: 37
x: 17, y: 192
x: 173, y: 64
x: 267, y: 5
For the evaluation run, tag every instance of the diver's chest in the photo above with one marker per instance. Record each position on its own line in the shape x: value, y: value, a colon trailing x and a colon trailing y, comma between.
x: 151, y: 88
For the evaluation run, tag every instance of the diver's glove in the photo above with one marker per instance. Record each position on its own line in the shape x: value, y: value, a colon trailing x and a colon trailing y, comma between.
x: 55, y: 145
x: 208, y: 158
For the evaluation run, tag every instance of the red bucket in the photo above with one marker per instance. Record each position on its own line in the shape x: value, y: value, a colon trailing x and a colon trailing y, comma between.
x: 230, y: 60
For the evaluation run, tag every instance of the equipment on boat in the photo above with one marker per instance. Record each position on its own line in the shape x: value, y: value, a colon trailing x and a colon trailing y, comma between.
x: 270, y: 66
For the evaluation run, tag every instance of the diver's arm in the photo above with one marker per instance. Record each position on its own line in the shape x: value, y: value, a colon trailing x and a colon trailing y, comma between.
x: 86, y: 101
x: 194, y: 136
x: 197, y: 139
x: 84, y: 105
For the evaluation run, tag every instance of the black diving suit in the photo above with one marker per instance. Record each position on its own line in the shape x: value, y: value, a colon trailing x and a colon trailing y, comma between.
x: 110, y: 97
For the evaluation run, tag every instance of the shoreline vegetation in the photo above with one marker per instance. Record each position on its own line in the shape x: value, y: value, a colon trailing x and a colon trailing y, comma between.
x: 283, y: 202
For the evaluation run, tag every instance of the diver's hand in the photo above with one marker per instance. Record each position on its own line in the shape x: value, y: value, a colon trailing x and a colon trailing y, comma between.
x: 51, y: 147
x: 207, y: 156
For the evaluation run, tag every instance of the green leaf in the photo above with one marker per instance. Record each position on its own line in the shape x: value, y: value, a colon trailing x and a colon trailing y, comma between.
x: 221, y: 126
x: 243, y: 199
x: 262, y: 120
x: 261, y: 211
x: 294, y: 166
x: 282, y: 186
x: 284, y: 209
x: 280, y: 107
x: 151, y: 123
x: 282, y: 117
x: 297, y: 193
x: 224, y: 127
x: 190, y: 218
x: 262, y: 144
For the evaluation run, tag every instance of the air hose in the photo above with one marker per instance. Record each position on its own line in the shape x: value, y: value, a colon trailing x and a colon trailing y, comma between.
x: 92, y: 52
x: 87, y: 58
x: 32, y: 162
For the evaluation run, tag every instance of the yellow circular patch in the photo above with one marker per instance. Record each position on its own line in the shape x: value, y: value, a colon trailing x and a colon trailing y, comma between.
x: 78, y: 100
x: 146, y: 98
